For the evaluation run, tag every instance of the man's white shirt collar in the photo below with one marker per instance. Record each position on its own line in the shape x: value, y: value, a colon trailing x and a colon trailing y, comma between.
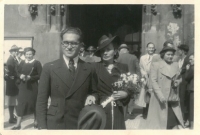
x: 26, y: 61
x: 180, y: 62
x: 149, y: 57
x: 66, y: 59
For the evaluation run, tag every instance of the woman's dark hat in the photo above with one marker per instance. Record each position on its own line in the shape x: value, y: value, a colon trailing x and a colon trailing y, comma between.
x: 29, y: 49
x: 92, y: 117
x: 14, y: 48
x: 167, y: 48
x: 104, y: 41
x: 91, y: 48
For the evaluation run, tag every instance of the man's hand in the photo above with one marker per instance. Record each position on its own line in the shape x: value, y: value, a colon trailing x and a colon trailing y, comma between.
x: 12, y: 77
x: 28, y: 77
x: 22, y: 76
x: 188, y: 66
x: 119, y: 95
x: 90, y: 100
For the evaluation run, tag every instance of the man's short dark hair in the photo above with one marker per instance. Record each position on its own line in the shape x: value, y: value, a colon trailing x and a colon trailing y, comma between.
x: 72, y: 30
x: 167, y: 42
x: 150, y: 43
x: 184, y: 47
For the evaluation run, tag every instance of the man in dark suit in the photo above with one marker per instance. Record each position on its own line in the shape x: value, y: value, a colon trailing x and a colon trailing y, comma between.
x: 131, y: 60
x: 133, y: 66
x: 183, y: 62
x: 67, y: 82
x: 11, y: 77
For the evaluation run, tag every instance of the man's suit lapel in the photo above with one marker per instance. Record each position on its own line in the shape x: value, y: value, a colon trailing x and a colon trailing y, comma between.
x: 63, y: 73
x: 81, y: 75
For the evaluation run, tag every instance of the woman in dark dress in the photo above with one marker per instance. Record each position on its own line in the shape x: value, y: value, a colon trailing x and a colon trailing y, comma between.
x: 108, y: 72
x: 189, y: 77
x: 29, y: 73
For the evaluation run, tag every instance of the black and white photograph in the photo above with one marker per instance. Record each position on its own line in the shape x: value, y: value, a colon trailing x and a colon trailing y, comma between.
x: 98, y: 67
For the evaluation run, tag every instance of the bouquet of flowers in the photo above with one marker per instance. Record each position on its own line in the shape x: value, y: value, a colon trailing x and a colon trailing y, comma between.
x: 126, y: 82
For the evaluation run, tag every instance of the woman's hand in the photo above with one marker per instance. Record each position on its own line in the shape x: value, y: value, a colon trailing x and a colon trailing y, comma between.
x: 119, y: 95
x: 90, y: 100
x: 162, y: 100
x: 187, y: 66
x: 150, y: 90
x: 176, y: 83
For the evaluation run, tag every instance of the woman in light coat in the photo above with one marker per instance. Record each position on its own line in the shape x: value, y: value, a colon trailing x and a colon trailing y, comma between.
x: 163, y: 114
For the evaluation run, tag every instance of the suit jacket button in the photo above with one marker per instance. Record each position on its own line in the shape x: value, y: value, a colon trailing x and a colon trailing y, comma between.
x: 57, y: 86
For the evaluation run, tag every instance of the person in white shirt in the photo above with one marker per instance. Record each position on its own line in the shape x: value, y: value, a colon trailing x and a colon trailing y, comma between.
x: 145, y: 63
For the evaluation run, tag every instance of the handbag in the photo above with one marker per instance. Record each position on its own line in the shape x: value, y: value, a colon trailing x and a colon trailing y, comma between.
x: 173, y: 95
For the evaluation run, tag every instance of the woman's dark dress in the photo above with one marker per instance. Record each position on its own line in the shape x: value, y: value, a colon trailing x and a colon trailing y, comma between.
x: 28, y: 89
x: 104, y: 90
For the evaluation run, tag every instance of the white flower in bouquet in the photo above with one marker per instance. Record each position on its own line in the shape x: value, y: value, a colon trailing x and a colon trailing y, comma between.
x: 128, y: 73
x: 120, y: 83
x: 134, y: 78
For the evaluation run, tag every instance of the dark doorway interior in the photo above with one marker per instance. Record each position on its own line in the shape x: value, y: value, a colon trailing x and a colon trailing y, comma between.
x: 97, y: 20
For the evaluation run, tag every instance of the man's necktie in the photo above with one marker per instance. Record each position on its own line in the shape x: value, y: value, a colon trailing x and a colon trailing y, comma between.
x: 150, y: 58
x: 71, y: 67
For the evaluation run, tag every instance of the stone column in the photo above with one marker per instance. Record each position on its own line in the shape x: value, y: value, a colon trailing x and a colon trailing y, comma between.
x: 58, y: 18
x: 48, y: 18
x: 53, y: 22
x: 65, y: 18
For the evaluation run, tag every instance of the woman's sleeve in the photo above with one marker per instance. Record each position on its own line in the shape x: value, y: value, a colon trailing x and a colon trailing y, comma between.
x: 38, y: 67
x: 154, y: 80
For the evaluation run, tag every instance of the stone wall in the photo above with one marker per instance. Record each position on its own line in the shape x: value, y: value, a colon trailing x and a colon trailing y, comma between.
x: 44, y: 29
x: 162, y: 25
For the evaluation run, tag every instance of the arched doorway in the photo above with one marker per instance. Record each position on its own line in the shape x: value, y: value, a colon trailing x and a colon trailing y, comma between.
x: 97, y: 20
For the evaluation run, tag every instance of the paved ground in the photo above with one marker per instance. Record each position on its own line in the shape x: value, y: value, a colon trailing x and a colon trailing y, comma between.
x: 27, y: 123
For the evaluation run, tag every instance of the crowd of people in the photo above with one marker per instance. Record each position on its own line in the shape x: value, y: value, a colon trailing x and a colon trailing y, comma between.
x: 81, y: 82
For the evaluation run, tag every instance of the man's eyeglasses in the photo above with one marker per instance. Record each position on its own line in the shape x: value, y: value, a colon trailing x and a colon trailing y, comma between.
x: 66, y: 44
